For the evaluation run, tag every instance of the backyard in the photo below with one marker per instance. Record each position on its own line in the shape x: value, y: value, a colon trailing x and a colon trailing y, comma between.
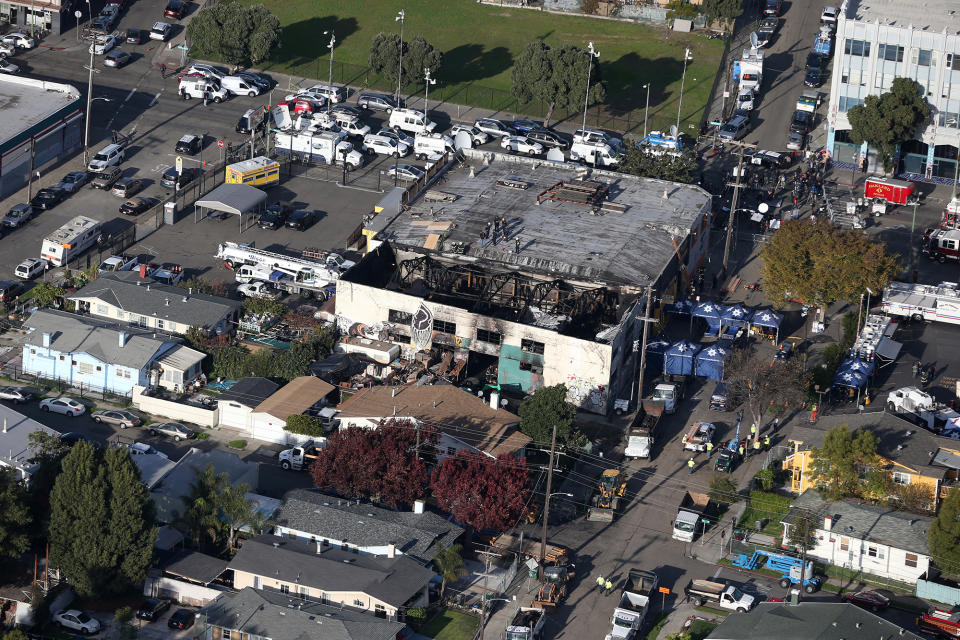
x: 450, y: 625
x: 480, y: 43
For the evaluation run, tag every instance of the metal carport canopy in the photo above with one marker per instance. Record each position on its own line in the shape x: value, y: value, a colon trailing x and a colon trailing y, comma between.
x: 888, y: 348
x: 235, y: 199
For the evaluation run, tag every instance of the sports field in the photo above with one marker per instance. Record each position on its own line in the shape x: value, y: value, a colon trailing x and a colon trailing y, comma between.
x: 480, y: 42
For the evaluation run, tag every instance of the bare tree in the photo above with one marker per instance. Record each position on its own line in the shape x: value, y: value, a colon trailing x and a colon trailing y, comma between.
x: 757, y: 382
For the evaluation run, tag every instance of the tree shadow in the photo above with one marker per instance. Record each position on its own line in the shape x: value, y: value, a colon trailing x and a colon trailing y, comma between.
x: 642, y: 71
x: 470, y: 62
x: 303, y: 42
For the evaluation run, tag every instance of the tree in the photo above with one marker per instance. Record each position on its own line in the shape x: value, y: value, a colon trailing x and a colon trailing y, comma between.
x: 723, y: 490
x: 722, y: 9
x: 237, y: 510
x: 202, y: 505
x: 820, y: 264
x: 802, y: 532
x: 943, y: 535
x: 681, y: 9
x: 15, y: 634
x: 383, y: 464
x: 101, y: 529
x: 126, y: 628
x: 756, y: 384
x: 418, y: 54
x: 449, y: 564
x: 233, y: 33
x: 482, y: 492
x: 912, y: 497
x: 836, y: 466
x: 682, y: 168
x: 48, y: 295
x: 548, y: 406
x: 199, y: 284
x: 304, y: 425
x: 556, y: 76
x: 887, y: 120
x: 15, y: 516
x: 261, y: 306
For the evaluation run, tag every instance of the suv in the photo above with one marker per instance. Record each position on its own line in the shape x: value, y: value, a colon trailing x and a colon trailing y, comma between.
x: 493, y: 128
x: 376, y: 102
x: 18, y: 215
x: 106, y: 178
x: 476, y: 136
x: 735, y: 128
x: 773, y: 7
x: 151, y: 608
x: 801, y: 122
x: 111, y: 155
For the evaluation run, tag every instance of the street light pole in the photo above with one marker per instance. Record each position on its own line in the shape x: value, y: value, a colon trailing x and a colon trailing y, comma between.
x: 86, y: 129
x: 646, y: 109
x: 401, y: 17
x: 683, y: 79
x: 426, y: 89
x: 592, y: 53
x: 333, y: 40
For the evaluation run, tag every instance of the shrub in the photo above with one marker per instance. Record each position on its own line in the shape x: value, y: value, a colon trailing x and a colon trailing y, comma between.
x: 237, y: 444
x: 203, y: 436
x: 304, y: 425
x: 416, y: 616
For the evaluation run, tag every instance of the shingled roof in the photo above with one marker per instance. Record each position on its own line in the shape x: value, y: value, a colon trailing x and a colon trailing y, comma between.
x: 807, y: 621
x: 418, y: 535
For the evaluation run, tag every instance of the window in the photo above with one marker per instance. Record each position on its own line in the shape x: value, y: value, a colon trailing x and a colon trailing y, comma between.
x: 953, y: 61
x: 924, y: 57
x: 899, y: 477
x: 33, y: 352
x: 225, y: 634
x: 532, y: 346
x: 910, y: 560
x: 380, y: 611
x: 358, y: 602
x: 102, y: 309
x: 442, y: 326
x: 848, y: 103
x: 99, y: 368
x: 62, y: 358
x: 284, y: 588
x: 493, y: 337
x: 875, y: 552
x: 856, y: 48
x: 257, y: 582
x: 890, y: 52
x: 844, y: 544
x: 85, y: 368
x: 400, y: 317
x: 159, y: 324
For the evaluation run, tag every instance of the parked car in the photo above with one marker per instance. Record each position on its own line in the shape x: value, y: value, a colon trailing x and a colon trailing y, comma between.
x: 548, y: 139
x: 19, y: 40
x: 175, y: 9
x: 813, y: 77
x: 300, y: 219
x: 477, y: 136
x: 376, y: 102
x: 397, y: 135
x: 867, y: 599
x: 8, y: 67
x: 261, y: 81
x: 275, y: 216
x: 525, y: 126
x: 493, y: 128
x: 117, y: 417
x: 144, y: 449
x: 189, y: 144
x: 161, y: 31
x: 48, y: 198
x: 18, y: 215
x: 10, y: 289
x: 16, y: 395
x: 258, y: 289
x: 109, y: 156
x: 735, y: 128
x: 801, y: 121
x: 73, y: 181
x: 207, y: 70
x: 116, y: 58
x: 102, y: 44
x: 171, y: 178
x: 347, y: 110
x: 126, y: 187
x: 829, y: 15
x: 66, y: 406
x: 30, y: 268
x: 152, y: 608
x: 71, y: 438
x: 373, y: 143
x: 135, y: 36
x: 181, y: 619
x: 106, y: 178
x: 405, y: 172
x: 173, y: 430
x: 7, y: 50
x: 76, y: 620
x: 136, y: 206
x: 521, y: 144
x: 796, y: 141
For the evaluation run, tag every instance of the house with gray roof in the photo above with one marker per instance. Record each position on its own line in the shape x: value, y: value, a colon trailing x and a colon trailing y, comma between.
x: 384, y: 586
x: 167, y: 494
x: 808, y: 621
x: 368, y: 529
x: 238, y: 402
x: 864, y: 537
x: 263, y: 614
x: 96, y: 354
x: 123, y: 296
x: 15, y: 449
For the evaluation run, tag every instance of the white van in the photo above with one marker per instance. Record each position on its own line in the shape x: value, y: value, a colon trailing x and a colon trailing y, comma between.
x: 333, y: 93
x: 110, y: 155
x: 351, y: 125
x: 411, y: 120
x: 431, y: 145
x: 599, y: 155
x: 30, y: 268
x: 196, y: 87
x: 238, y: 86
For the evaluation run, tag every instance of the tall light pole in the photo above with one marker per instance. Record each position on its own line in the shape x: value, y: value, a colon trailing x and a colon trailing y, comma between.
x: 86, y: 129
x: 646, y: 109
x: 426, y: 88
x: 333, y: 41
x: 592, y: 53
x: 683, y: 79
x: 401, y: 17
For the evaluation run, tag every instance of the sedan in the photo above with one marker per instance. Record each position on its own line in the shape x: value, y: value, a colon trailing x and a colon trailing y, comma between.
x: 521, y: 144
x: 119, y: 418
x: 76, y: 620
x: 175, y: 9
x: 181, y: 619
x: 397, y: 135
x: 48, y: 198
x: 135, y: 36
x: 258, y: 80
x: 801, y: 122
x: 19, y: 40
x: 66, y: 406
x: 376, y: 102
x: 187, y: 175
x: 173, y: 430
x: 526, y: 126
x: 492, y: 127
x: 116, y: 59
x: 126, y: 187
x: 548, y: 139
x: 351, y: 112
x: 274, y: 217
x: 102, y: 44
x: 405, y: 172
x: 867, y: 599
x: 477, y: 136
x: 136, y: 206
x: 302, y: 105
x: 384, y: 145
x: 797, y: 141
x: 300, y: 219
x: 8, y: 67
x: 812, y: 78
x: 152, y: 608
x: 73, y: 181
x: 15, y: 395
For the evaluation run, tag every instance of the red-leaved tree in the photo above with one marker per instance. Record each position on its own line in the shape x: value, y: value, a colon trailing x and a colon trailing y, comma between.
x: 381, y: 465
x: 480, y: 491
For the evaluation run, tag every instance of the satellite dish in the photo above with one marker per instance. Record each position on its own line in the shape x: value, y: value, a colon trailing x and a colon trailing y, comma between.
x: 673, y: 131
x: 763, y: 207
x: 753, y: 40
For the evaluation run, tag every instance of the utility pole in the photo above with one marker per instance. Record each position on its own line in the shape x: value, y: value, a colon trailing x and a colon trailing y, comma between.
x: 546, y: 502
x: 30, y: 177
x: 86, y: 129
x: 733, y: 203
x: 803, y: 555
x: 333, y: 41
x: 643, y: 345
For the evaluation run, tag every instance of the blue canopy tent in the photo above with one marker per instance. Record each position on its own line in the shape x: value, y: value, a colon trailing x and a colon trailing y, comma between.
x: 656, y: 349
x: 732, y: 319
x: 853, y: 373
x: 710, y: 313
x: 768, y: 321
x: 680, y: 358
x: 681, y: 307
x: 710, y: 362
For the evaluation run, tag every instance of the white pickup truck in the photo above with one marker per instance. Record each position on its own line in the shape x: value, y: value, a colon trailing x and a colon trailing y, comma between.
x: 299, y: 458
x: 718, y: 594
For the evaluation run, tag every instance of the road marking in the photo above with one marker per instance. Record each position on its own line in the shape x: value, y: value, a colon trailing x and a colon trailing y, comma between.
x: 160, y: 168
x: 717, y: 572
x: 130, y: 95
x: 155, y: 98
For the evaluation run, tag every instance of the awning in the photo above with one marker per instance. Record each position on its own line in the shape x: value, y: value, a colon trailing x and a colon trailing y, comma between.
x: 888, y: 348
x: 181, y: 358
x: 710, y: 362
x: 680, y: 358
x: 947, y: 459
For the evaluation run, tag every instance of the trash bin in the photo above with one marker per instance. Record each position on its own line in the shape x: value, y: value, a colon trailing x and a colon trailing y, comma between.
x: 532, y: 572
x: 169, y: 212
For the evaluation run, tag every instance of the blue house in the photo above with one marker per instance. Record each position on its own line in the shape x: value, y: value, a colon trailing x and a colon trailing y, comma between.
x: 93, y: 353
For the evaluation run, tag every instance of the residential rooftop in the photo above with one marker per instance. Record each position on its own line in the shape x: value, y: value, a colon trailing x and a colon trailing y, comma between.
x: 609, y: 228
x: 295, y: 397
x: 808, y: 621
x: 194, y: 566
x: 26, y: 102
x: 923, y: 15
x: 168, y: 493
x: 249, y: 391
x: 15, y: 449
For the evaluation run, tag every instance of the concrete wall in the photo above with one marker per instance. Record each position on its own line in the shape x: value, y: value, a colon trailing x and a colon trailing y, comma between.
x: 174, y: 410
x: 268, y: 428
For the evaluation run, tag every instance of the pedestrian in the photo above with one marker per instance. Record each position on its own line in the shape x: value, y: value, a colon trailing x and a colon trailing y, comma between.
x: 709, y: 450
x: 916, y: 369
x: 756, y: 445
x: 163, y: 71
x: 690, y: 465
x: 863, y: 164
x: 766, y: 443
x: 205, y: 98
x: 776, y: 423
x: 916, y: 276
x: 609, y: 586
x: 741, y: 450
x: 600, y: 582
x: 517, y: 246
x: 753, y: 430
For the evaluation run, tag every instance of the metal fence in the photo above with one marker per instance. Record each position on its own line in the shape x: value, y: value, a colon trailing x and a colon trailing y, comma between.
x: 84, y: 390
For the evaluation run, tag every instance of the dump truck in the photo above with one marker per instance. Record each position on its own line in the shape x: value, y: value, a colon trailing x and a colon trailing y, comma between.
x: 510, y: 542
x: 720, y: 594
x: 553, y: 587
x: 920, y: 408
x: 695, y: 508
x: 634, y: 603
x: 642, y: 432
x: 300, y: 457
x: 698, y: 436
x: 526, y: 624
x: 669, y: 393
x: 606, y: 497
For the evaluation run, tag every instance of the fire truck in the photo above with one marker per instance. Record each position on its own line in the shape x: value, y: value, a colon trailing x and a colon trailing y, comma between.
x: 940, y: 303
x: 942, y: 245
x: 889, y: 190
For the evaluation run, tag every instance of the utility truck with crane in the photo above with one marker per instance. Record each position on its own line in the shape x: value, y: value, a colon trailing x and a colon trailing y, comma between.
x: 634, y: 604
x: 293, y: 275
x: 936, y: 303
x: 606, y: 497
x: 920, y: 408
x: 300, y: 457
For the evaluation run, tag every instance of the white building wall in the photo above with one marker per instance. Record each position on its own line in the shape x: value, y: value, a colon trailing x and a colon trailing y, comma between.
x: 869, y: 557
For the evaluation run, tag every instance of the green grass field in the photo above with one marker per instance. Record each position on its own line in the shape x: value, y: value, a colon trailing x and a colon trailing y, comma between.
x: 480, y: 43
x: 450, y: 625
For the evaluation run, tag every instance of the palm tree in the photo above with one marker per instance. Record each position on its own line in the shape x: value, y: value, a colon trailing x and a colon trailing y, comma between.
x: 449, y: 565
x: 237, y: 510
x: 201, y: 515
